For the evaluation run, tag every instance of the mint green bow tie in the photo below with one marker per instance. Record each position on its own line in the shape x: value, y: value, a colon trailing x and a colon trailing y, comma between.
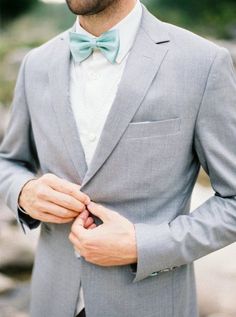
x: 82, y: 46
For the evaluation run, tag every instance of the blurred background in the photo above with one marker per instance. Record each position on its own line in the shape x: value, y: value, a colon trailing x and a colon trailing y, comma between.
x: 26, y: 24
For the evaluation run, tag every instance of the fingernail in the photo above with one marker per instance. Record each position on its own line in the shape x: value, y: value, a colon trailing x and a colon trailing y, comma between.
x: 83, y: 214
x: 90, y: 205
x: 87, y: 201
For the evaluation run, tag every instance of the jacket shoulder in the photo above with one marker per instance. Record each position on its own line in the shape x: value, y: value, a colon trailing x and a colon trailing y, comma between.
x: 191, y: 43
x: 42, y: 54
x: 183, y: 43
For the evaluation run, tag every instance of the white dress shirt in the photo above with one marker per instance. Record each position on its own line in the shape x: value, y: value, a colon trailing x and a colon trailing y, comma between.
x: 93, y: 86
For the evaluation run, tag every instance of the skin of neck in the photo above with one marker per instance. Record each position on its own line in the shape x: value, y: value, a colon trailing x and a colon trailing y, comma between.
x: 103, y: 21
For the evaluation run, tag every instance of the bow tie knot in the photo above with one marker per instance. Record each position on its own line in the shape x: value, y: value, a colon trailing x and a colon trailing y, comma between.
x: 94, y: 42
x: 82, y: 46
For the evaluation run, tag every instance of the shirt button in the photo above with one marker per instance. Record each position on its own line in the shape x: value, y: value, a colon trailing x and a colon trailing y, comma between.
x: 93, y: 76
x: 92, y: 137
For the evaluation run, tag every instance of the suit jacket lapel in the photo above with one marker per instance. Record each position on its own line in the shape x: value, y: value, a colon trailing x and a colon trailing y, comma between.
x: 141, y: 68
x: 59, y: 78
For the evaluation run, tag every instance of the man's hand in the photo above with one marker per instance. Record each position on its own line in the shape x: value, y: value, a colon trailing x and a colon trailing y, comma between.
x: 52, y: 199
x: 110, y: 244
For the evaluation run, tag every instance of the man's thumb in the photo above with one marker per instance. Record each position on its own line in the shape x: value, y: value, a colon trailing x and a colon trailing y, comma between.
x: 99, y: 211
x: 81, y: 219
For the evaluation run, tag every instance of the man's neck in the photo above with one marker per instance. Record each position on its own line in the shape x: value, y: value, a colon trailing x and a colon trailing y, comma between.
x: 103, y: 21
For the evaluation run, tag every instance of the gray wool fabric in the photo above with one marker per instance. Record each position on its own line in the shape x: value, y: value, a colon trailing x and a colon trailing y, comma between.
x: 175, y: 110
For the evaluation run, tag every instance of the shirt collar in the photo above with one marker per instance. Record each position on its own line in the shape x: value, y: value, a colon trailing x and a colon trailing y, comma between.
x: 127, y: 29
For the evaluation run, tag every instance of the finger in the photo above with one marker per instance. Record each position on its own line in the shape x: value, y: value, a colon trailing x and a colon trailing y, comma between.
x: 64, y: 200
x: 88, y: 222
x: 79, y: 221
x: 101, y: 212
x: 66, y: 187
x: 84, y: 215
x: 93, y: 226
x: 78, y: 228
x: 55, y: 210
x: 44, y: 217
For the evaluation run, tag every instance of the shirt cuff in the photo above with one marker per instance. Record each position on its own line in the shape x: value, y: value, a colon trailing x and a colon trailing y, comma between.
x: 25, y: 219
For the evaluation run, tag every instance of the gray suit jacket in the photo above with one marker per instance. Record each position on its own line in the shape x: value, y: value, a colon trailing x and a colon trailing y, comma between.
x: 175, y: 110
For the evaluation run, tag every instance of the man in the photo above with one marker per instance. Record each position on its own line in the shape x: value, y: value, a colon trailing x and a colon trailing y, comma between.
x: 112, y: 119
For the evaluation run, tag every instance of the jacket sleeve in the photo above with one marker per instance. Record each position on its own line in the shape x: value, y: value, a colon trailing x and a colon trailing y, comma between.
x: 18, y: 158
x: 212, y: 225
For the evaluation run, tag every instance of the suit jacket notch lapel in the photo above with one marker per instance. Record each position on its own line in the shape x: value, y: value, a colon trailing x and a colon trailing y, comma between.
x: 141, y: 68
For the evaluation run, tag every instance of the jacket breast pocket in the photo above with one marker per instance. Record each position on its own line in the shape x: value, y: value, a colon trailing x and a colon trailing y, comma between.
x: 152, y: 128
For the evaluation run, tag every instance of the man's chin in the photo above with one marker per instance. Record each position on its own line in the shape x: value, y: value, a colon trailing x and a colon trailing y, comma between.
x: 88, y: 8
